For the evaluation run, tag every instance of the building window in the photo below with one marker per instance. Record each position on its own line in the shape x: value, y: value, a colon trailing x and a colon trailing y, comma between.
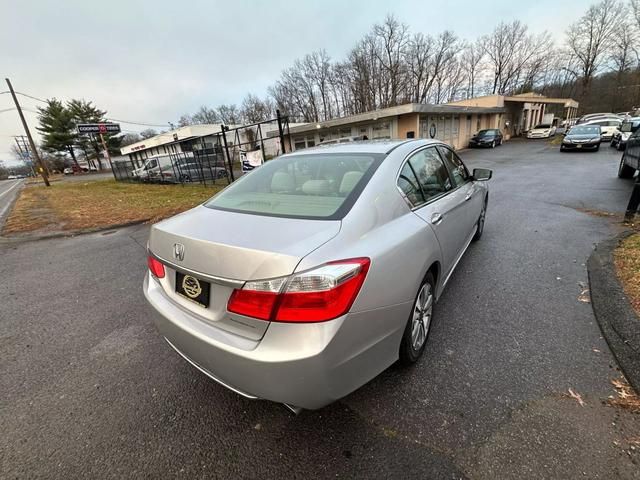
x: 381, y: 130
x: 299, y: 144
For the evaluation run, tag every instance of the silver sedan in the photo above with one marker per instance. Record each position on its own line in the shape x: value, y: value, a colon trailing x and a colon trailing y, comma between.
x: 306, y: 278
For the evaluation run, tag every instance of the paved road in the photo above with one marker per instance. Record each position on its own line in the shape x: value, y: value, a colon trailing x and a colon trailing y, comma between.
x: 8, y: 191
x: 90, y: 390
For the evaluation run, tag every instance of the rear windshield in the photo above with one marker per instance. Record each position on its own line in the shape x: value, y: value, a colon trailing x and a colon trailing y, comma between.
x: 316, y: 186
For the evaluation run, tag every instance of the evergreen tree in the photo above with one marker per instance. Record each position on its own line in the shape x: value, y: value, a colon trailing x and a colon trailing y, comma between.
x: 57, y: 128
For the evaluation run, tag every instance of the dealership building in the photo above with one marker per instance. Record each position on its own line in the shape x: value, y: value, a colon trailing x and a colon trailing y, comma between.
x: 205, y: 139
x: 454, y: 123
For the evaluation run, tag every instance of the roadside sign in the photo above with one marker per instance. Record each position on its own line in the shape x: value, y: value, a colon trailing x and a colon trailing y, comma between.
x: 98, y: 128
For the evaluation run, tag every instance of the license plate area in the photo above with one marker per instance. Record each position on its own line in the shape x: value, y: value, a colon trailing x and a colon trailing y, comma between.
x: 193, y: 289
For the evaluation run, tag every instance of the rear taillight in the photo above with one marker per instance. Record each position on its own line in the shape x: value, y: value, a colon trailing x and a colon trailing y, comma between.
x: 155, y: 267
x: 317, y: 295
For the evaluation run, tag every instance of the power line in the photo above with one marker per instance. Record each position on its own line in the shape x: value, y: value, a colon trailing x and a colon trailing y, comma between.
x: 31, y: 97
x: 139, y: 123
x: 144, y: 124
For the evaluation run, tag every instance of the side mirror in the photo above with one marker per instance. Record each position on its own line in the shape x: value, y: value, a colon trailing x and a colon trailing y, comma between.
x: 482, y: 174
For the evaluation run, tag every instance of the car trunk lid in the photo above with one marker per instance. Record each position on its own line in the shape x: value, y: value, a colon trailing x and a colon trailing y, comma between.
x: 226, y: 249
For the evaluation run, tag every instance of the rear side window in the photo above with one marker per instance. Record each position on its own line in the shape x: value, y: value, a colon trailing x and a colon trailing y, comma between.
x: 314, y: 186
x: 408, y: 183
x: 424, y: 177
x: 432, y: 175
x: 458, y: 170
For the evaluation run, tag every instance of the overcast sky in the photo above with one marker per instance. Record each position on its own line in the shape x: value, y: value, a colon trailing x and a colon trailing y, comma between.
x: 152, y: 61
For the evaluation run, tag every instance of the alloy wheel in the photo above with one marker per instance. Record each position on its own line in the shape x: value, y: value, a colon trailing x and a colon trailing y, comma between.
x: 421, y: 320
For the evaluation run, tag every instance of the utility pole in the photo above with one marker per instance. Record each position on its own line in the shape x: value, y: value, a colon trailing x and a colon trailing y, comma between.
x: 106, y: 150
x: 34, y: 151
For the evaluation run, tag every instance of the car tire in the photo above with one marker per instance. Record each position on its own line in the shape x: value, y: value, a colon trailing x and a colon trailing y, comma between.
x: 493, y: 144
x: 624, y: 170
x: 185, y: 179
x: 481, y: 219
x: 421, y: 318
x: 597, y: 148
x: 619, y: 147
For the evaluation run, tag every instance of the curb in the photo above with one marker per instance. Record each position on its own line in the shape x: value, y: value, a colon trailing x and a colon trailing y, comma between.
x: 617, y: 319
x: 72, y: 233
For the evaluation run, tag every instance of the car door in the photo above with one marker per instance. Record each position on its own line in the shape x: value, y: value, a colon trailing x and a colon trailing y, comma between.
x: 632, y: 150
x: 463, y: 181
x: 437, y: 202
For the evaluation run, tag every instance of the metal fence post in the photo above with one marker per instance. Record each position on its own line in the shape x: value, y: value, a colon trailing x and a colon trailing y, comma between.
x: 280, y: 131
x: 224, y: 129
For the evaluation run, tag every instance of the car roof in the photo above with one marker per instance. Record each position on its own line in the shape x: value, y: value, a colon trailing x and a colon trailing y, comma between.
x: 364, y: 146
x: 602, y: 119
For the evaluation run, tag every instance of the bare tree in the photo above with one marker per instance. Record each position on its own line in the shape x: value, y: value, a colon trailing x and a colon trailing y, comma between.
x: 590, y: 38
x: 256, y: 110
x: 148, y: 133
x: 623, y: 45
x: 185, y: 120
x: 229, y: 114
x: 472, y: 56
x: 391, y: 39
x: 205, y: 115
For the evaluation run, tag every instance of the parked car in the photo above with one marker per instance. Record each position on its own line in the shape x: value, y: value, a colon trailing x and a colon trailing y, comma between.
x: 582, y: 137
x: 609, y: 127
x: 568, y: 122
x: 486, y: 138
x: 305, y: 279
x: 544, y: 130
x: 153, y: 169
x: 620, y: 137
x: 186, y: 171
x: 73, y: 169
x: 353, y: 138
x: 12, y: 177
x: 598, y: 116
x: 630, y: 161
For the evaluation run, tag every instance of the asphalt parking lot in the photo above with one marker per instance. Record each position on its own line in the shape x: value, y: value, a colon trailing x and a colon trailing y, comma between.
x: 89, y: 389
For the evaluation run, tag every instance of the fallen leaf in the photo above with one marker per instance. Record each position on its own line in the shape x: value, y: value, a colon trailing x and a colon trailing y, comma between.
x: 577, y: 397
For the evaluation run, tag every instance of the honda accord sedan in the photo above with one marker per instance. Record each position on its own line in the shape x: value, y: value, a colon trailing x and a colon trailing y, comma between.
x: 312, y: 274
x: 582, y: 137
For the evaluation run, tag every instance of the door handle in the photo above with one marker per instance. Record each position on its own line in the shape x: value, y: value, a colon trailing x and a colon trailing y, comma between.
x: 468, y: 197
x: 437, y: 218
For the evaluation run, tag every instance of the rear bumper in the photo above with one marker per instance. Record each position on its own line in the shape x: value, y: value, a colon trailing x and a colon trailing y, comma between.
x: 303, y: 365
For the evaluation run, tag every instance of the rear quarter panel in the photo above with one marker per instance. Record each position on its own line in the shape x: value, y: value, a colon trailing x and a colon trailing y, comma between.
x: 401, y: 247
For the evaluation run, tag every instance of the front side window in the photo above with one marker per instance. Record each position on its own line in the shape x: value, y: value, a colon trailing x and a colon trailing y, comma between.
x: 431, y: 173
x: 317, y: 186
x: 458, y: 170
